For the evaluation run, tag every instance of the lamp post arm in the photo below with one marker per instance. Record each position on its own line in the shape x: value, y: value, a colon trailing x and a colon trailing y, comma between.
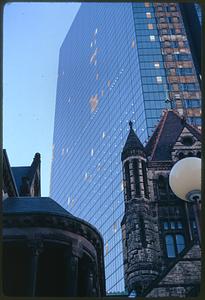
x: 196, y: 209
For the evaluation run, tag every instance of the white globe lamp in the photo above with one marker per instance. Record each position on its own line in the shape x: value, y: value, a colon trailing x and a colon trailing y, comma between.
x: 185, y: 178
x: 185, y: 182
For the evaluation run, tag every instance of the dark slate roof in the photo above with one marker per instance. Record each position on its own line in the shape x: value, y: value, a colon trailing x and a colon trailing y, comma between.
x: 132, y: 141
x: 30, y: 205
x: 166, y: 134
x: 18, y: 173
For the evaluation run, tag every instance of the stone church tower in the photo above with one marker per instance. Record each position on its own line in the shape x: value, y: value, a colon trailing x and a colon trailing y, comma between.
x: 161, y: 247
x: 140, y: 230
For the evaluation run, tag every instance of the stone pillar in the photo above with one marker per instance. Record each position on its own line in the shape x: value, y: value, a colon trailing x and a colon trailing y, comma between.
x: 91, y: 279
x: 71, y: 261
x: 36, y: 248
x: 97, y: 279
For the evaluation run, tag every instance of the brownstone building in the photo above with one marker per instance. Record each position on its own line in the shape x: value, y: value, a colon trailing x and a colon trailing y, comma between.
x: 161, y: 246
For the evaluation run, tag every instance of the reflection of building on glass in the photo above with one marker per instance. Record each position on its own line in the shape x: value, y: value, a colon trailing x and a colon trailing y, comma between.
x: 159, y: 232
x: 94, y: 102
x: 106, y: 248
x: 93, y: 57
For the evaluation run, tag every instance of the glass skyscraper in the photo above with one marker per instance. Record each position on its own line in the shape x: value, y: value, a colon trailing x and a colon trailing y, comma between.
x: 118, y: 62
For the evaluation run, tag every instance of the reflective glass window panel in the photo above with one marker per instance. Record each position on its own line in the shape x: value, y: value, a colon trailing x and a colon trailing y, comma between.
x: 166, y: 225
x: 170, y: 245
x: 179, y: 225
x: 173, y: 225
x: 180, y: 242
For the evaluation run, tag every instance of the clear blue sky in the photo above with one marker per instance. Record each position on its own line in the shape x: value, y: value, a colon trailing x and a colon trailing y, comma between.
x: 32, y: 36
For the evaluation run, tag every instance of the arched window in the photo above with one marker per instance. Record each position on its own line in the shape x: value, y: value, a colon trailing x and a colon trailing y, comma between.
x: 170, y: 245
x: 175, y: 244
x: 145, y: 181
x: 180, y: 242
x: 136, y: 177
x: 127, y: 178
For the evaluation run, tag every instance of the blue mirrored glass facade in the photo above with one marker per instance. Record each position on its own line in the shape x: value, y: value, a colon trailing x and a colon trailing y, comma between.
x: 112, y: 69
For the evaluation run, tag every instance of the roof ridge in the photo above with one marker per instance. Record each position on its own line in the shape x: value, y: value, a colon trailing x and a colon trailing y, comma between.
x: 181, y: 117
x: 160, y: 131
x: 194, y: 127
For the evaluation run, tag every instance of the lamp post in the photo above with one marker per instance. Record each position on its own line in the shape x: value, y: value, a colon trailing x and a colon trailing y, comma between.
x: 185, y: 182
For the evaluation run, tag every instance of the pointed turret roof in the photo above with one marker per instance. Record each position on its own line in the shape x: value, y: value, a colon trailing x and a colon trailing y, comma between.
x: 132, y: 141
x: 166, y: 134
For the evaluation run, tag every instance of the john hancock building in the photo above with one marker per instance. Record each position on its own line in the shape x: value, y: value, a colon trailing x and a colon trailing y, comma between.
x: 118, y: 62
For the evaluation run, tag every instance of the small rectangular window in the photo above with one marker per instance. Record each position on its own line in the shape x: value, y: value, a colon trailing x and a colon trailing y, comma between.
x: 166, y: 225
x: 157, y: 65
x: 179, y: 225
x: 173, y: 225
x: 177, y: 96
x: 180, y: 242
x: 152, y: 38
x: 150, y: 26
x: 159, y: 79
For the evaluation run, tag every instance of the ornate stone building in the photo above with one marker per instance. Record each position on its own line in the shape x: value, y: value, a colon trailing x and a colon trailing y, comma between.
x: 161, y: 246
x: 21, y: 181
x: 46, y: 250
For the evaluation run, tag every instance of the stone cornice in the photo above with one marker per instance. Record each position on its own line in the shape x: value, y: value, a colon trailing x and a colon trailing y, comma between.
x: 53, y: 221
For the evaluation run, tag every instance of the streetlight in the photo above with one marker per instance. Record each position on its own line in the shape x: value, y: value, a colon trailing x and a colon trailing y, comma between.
x: 185, y: 182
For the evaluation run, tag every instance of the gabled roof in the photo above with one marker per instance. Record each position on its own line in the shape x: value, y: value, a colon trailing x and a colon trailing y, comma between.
x: 133, y: 141
x: 28, y: 172
x: 18, y: 173
x: 7, y: 171
x: 166, y: 134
